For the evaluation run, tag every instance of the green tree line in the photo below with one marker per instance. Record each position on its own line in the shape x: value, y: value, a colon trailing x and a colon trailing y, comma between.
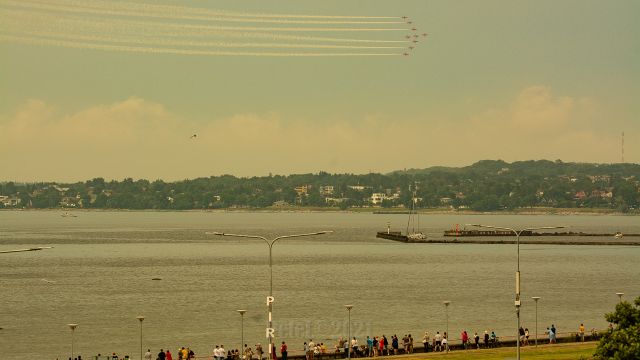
x: 488, y: 185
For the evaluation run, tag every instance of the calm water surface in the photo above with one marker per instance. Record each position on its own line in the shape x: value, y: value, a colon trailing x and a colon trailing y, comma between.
x: 100, y: 273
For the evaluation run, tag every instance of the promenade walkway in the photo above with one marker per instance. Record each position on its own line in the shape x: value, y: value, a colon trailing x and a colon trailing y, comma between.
x: 568, y: 346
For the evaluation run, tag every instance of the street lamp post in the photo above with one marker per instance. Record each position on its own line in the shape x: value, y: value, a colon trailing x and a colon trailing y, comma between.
x: 446, y: 311
x: 517, y: 301
x: 620, y: 296
x: 536, y: 298
x: 73, y: 329
x: 349, y: 307
x: 270, y: 299
x: 241, y: 327
x: 140, y: 318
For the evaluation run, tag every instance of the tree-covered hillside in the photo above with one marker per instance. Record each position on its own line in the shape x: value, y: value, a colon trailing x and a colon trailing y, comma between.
x: 487, y: 185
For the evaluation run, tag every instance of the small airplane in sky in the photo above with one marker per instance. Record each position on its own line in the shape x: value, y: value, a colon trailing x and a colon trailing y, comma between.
x: 193, y: 136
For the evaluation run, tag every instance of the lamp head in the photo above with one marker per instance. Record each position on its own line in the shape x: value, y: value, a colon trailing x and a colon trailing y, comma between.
x: 72, y: 326
x: 140, y: 318
x: 241, y: 311
x: 349, y: 307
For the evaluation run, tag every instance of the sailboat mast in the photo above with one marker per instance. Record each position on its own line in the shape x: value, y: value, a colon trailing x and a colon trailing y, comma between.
x: 410, y: 212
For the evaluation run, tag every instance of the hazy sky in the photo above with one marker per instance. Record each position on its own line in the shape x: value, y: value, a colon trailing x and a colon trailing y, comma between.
x: 511, y: 80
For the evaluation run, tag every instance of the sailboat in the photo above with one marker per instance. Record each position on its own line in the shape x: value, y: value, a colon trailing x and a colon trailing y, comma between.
x: 413, y: 233
x: 414, y: 220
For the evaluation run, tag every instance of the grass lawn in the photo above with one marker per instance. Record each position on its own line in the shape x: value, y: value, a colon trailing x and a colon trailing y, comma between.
x: 568, y: 351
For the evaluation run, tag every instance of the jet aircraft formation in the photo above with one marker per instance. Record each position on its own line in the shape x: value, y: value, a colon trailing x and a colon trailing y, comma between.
x: 178, y: 29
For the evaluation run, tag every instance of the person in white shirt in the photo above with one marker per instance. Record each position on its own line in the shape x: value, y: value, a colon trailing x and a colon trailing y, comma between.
x: 312, y: 347
x: 147, y: 355
x: 354, y: 346
x: 438, y: 339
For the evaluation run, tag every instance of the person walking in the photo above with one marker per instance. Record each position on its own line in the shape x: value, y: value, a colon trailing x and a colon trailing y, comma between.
x: 476, y: 339
x: 425, y: 341
x: 376, y: 344
x: 147, y: 355
x: 486, y: 339
x: 581, y: 332
x: 168, y: 355
x: 394, y: 343
x: 386, y: 345
x: 465, y: 339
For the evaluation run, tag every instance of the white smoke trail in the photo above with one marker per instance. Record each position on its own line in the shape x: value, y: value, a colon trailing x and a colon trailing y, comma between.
x: 151, y: 50
x: 187, y: 43
x: 172, y: 9
x: 24, y: 18
x: 79, y: 9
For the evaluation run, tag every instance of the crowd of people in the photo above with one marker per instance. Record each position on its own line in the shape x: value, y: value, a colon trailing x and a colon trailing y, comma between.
x: 372, y: 346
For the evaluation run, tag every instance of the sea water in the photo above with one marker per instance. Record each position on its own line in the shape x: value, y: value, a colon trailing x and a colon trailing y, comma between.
x: 100, y: 275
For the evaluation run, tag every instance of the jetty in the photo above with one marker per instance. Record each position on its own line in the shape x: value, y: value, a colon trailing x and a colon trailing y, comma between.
x: 490, y: 233
x: 614, y: 242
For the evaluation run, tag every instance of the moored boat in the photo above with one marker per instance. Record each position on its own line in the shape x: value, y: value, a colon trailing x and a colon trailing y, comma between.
x: 413, y: 233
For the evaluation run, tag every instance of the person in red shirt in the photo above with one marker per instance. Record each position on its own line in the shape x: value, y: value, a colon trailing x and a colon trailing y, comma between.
x: 283, y: 350
x: 465, y: 339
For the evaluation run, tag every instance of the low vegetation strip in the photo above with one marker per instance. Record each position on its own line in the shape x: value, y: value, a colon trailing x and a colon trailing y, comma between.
x: 565, y: 351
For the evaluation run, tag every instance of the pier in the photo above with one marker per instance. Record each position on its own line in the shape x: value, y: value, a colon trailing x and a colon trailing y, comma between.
x: 613, y: 242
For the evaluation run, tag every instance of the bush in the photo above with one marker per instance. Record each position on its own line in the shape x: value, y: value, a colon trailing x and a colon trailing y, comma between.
x: 623, y: 340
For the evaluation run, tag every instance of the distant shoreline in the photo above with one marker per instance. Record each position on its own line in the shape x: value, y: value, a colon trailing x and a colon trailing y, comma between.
x: 380, y: 211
